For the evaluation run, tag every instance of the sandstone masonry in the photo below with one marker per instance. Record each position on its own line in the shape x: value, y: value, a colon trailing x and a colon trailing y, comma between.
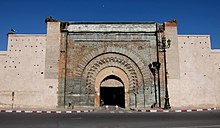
x: 75, y: 61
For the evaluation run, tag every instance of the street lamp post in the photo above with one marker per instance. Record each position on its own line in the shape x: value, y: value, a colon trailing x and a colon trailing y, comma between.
x: 165, y: 45
x: 153, y: 71
x: 155, y: 66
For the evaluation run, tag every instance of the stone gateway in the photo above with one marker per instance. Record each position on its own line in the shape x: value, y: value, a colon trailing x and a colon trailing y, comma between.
x: 129, y: 64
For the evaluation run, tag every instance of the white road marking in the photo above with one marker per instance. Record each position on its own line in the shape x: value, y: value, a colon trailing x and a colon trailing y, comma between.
x: 39, y: 111
x: 8, y: 111
x: 68, y: 111
x: 28, y: 111
x: 153, y: 110
x: 189, y: 110
x: 199, y: 110
x: 177, y: 110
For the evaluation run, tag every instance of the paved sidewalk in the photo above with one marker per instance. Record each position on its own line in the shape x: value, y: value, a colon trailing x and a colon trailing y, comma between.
x: 92, y: 109
x: 47, y: 110
x: 172, y: 109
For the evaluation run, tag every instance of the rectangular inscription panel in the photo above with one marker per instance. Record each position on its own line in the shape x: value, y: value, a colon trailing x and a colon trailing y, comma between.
x: 145, y: 27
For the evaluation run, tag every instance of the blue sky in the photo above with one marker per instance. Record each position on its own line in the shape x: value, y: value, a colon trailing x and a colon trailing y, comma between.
x: 194, y: 16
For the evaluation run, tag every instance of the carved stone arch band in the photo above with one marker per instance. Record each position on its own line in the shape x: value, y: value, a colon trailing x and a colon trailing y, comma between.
x: 112, y: 64
x: 138, y: 61
x: 127, y: 66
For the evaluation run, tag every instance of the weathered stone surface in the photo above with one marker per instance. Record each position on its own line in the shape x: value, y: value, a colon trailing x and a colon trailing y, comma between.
x: 112, y: 27
x: 22, y: 71
x: 73, y: 60
x: 89, y: 53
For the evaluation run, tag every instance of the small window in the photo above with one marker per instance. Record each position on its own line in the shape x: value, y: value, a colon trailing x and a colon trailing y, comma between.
x: 11, y: 45
x: 50, y: 66
x: 42, y: 73
x: 15, y: 67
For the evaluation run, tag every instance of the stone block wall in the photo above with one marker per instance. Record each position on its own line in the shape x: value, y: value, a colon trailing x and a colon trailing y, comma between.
x: 198, y: 71
x: 215, y: 55
x: 88, y: 45
x: 22, y: 73
x: 50, y: 70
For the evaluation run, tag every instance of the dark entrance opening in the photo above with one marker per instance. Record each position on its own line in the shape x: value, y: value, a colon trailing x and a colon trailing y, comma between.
x: 112, y: 91
x: 113, y: 96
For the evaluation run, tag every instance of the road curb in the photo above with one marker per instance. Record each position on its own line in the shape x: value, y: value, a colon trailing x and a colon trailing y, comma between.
x: 45, y: 111
x: 178, y: 110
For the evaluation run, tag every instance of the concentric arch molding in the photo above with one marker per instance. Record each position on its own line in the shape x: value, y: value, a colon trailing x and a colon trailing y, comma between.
x: 112, y: 60
x: 120, y: 57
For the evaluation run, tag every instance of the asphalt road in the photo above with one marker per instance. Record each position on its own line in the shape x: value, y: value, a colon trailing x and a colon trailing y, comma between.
x: 112, y: 119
